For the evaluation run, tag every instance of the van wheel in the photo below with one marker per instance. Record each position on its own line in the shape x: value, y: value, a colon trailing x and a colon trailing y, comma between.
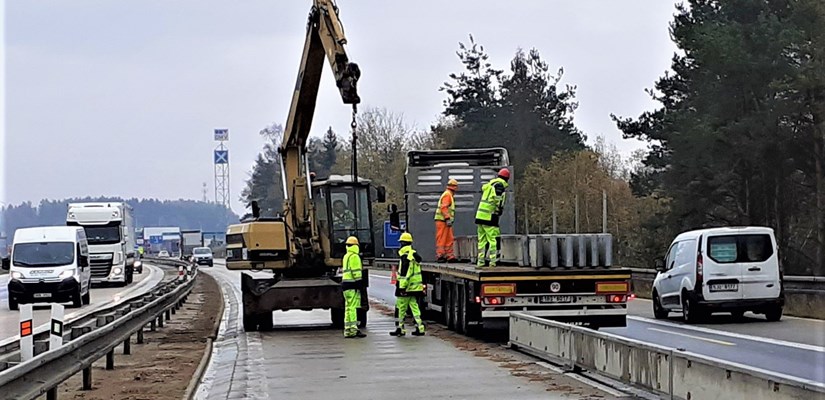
x: 265, y: 321
x: 86, y: 299
x: 773, y: 314
x: 737, y: 314
x: 690, y: 310
x: 250, y: 322
x: 659, y: 312
x: 77, y: 299
x: 13, y: 304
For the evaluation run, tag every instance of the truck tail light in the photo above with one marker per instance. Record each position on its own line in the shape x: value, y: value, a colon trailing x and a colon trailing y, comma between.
x: 478, y: 299
x: 494, y: 301
x: 616, y: 298
x: 498, y: 289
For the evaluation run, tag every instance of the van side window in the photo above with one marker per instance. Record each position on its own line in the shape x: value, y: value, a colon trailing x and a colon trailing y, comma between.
x: 740, y: 248
x: 685, y: 252
x: 82, y: 257
x: 671, y: 256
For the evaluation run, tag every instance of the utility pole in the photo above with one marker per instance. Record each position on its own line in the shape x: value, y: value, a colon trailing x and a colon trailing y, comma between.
x: 204, y: 190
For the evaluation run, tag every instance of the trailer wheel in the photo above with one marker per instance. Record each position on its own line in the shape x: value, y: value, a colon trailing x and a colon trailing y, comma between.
x: 449, y: 315
x: 250, y: 322
x: 336, y: 315
x: 265, y: 321
x: 461, y: 309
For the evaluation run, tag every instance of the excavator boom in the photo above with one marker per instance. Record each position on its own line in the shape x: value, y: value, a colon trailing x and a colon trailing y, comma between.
x: 325, y: 36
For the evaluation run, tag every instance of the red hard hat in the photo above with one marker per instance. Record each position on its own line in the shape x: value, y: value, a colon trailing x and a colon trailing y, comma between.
x: 504, y: 173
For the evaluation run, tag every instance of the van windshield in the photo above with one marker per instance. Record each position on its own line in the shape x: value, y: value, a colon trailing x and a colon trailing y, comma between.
x: 46, y: 254
x: 202, y: 250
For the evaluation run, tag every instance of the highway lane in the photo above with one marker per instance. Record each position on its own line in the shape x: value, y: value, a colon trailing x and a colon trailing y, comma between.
x: 779, y: 354
x: 100, y: 297
x: 303, y: 358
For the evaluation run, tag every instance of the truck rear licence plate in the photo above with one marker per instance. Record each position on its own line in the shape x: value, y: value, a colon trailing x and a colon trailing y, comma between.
x: 42, y: 295
x: 555, y: 299
x: 724, y: 287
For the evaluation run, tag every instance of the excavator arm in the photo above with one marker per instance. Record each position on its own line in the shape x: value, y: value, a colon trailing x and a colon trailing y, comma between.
x: 324, y: 37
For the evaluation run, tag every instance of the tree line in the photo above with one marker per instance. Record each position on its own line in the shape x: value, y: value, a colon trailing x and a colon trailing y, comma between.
x: 186, y: 214
x: 738, y: 138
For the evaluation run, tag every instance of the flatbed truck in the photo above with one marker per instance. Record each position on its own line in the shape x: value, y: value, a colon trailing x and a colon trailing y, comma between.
x: 564, y: 277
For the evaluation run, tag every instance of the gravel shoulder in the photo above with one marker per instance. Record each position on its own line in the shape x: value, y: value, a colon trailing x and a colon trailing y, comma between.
x: 162, y: 367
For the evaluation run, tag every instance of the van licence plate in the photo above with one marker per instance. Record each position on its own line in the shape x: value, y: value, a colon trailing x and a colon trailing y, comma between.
x: 42, y: 295
x: 724, y: 287
x: 555, y: 299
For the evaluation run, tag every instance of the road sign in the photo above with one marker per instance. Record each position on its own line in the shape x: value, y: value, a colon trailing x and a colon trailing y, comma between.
x: 221, y: 156
x: 391, y: 236
x: 221, y: 134
x: 156, y: 239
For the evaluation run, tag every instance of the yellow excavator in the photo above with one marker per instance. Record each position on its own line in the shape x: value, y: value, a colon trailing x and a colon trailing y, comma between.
x: 303, y: 248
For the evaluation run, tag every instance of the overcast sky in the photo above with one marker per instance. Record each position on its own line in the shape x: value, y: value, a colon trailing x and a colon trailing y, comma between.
x: 120, y: 98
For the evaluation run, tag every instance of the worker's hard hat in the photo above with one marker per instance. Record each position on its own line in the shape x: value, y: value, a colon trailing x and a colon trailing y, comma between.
x: 504, y: 173
x: 406, y: 237
x: 452, y: 182
x: 352, y: 240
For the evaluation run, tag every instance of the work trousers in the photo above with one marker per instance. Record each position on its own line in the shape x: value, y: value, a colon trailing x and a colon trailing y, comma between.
x: 444, y: 241
x: 488, y: 241
x: 401, y: 304
x: 352, y: 300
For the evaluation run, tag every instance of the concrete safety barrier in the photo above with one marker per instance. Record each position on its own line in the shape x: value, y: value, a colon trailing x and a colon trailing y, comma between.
x: 665, y: 371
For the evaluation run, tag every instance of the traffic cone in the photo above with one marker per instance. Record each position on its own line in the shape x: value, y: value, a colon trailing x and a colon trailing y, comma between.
x: 393, y: 276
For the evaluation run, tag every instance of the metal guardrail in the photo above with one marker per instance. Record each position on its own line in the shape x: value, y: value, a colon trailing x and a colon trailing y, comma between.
x: 671, y: 372
x: 793, y: 284
x: 91, y: 338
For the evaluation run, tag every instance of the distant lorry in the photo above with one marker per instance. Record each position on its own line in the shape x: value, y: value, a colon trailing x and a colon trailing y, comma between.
x: 190, y: 239
x: 49, y: 264
x: 110, y: 230
x: 565, y: 277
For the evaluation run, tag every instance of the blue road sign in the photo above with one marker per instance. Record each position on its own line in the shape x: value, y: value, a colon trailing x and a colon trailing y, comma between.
x: 156, y: 239
x: 221, y: 156
x: 391, y: 236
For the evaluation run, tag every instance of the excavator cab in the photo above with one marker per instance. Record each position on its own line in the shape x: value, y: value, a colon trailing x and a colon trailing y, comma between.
x: 343, y: 208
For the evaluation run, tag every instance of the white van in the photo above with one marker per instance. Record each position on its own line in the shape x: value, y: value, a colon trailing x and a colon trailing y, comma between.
x: 49, y: 264
x: 720, y: 270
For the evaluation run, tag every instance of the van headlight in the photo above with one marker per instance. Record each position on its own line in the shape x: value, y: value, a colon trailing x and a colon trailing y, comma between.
x: 138, y: 263
x: 16, y: 275
x: 66, y: 274
x: 117, y: 271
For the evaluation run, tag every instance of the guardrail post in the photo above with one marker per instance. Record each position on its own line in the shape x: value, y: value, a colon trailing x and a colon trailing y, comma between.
x: 140, y: 336
x: 160, y: 320
x: 87, y: 378
x: 51, y: 394
x: 168, y: 314
x: 152, y: 326
x: 26, y: 333
x: 110, y: 360
x: 56, y: 330
x: 127, y: 346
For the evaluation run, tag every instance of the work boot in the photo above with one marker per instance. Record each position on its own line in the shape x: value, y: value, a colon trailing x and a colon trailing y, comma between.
x: 360, y: 334
x: 452, y: 260
x: 418, y: 332
x: 398, y: 332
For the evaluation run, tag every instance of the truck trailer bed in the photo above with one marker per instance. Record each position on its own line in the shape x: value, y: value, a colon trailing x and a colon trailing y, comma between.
x: 514, y: 273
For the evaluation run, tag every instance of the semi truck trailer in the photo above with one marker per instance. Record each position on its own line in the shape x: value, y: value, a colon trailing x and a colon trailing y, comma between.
x: 565, y: 277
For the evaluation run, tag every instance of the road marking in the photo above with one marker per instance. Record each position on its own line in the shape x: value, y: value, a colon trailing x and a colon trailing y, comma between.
x: 693, y: 337
x: 380, y: 276
x: 731, y: 334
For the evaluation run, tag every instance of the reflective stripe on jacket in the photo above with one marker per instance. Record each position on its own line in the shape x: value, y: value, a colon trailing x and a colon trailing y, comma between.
x: 439, y: 211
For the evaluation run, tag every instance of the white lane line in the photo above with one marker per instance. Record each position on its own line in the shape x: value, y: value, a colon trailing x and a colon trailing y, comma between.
x: 380, y: 276
x: 731, y: 334
x: 693, y: 337
x: 791, y: 317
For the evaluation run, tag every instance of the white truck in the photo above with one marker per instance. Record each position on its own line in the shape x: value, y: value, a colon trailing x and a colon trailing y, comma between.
x: 110, y: 230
